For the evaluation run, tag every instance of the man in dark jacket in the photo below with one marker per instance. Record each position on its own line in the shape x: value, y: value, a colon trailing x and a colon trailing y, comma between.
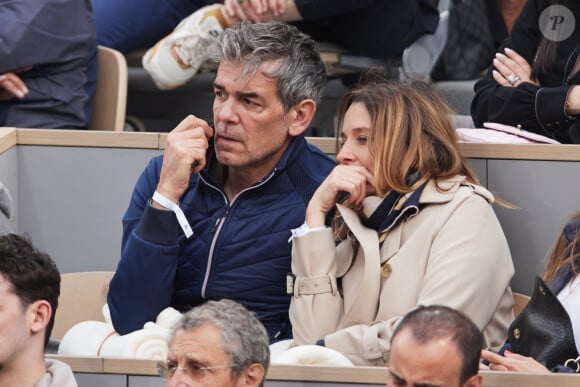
x: 211, y: 219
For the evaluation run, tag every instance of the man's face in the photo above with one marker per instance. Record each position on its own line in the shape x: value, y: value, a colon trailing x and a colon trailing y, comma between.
x: 14, y: 331
x: 434, y: 364
x: 251, y: 129
x: 200, y: 347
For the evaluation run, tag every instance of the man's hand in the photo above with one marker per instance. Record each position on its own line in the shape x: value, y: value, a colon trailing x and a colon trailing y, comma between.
x: 184, y: 154
x: 12, y: 86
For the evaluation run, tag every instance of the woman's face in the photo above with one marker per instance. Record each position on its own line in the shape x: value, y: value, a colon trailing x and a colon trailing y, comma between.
x: 354, y: 137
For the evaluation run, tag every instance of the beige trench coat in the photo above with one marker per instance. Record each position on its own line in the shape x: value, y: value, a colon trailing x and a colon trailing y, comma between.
x: 453, y: 252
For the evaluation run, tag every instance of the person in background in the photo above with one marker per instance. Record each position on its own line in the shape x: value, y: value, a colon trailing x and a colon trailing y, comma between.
x: 211, y: 218
x: 29, y: 290
x: 375, y: 28
x: 435, y: 346
x: 413, y: 227
x: 532, y: 84
x: 217, y: 344
x: 561, y: 276
x: 48, y: 64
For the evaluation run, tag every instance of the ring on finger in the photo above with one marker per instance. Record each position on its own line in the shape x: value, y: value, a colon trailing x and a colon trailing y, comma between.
x: 240, y: 1
x: 513, y: 79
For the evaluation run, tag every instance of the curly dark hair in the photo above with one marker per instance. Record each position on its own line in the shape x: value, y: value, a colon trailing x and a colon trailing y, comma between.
x: 32, y: 273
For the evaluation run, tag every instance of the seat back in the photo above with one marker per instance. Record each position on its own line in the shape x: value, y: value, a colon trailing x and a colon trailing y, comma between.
x: 110, y: 98
x: 520, y: 302
x: 82, y: 296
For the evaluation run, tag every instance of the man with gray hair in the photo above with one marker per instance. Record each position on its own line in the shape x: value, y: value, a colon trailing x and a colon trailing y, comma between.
x: 211, y: 218
x: 217, y: 344
x: 435, y: 346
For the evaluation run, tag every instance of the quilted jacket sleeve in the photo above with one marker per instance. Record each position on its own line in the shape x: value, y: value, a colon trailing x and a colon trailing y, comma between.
x: 143, y: 282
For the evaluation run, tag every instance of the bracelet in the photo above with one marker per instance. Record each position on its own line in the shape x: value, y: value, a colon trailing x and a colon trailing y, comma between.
x: 181, y: 219
x: 303, y: 230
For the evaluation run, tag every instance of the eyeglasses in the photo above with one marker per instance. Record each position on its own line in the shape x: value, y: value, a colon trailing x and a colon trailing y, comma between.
x: 167, y: 370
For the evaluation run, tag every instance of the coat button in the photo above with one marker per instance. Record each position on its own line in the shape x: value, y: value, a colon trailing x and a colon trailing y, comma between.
x: 386, y: 270
x: 517, y: 333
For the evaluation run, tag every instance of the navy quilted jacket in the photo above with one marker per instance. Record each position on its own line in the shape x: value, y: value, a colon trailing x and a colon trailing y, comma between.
x: 239, y: 250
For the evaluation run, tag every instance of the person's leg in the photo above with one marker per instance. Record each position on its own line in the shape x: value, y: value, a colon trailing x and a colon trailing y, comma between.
x: 381, y: 29
x: 127, y: 25
x: 177, y: 57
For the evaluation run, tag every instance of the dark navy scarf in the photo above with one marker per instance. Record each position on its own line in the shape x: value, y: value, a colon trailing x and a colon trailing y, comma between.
x: 396, y: 207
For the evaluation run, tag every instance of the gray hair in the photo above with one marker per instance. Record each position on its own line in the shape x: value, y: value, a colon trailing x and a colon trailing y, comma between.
x: 244, y: 338
x: 301, y: 75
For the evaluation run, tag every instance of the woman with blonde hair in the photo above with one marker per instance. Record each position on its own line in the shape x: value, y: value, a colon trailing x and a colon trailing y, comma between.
x: 413, y: 227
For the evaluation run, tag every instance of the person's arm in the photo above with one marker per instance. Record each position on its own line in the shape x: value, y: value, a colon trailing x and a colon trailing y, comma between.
x: 314, y: 256
x: 510, y: 105
x: 313, y: 316
x: 469, y: 270
x: 143, y: 282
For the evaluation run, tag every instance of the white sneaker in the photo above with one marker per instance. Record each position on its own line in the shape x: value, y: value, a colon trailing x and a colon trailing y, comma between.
x: 178, y: 56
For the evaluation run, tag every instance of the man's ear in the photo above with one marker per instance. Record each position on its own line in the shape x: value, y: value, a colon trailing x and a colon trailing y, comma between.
x: 252, y: 375
x: 300, y: 116
x: 474, y: 381
x: 39, y: 314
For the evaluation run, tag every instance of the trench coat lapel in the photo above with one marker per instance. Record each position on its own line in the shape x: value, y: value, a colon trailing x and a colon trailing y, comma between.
x: 366, y: 271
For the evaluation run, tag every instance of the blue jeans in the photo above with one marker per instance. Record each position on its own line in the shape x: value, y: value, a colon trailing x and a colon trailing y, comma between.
x: 127, y: 25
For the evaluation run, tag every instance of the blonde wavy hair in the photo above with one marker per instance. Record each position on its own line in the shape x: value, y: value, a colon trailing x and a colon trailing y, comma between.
x: 410, y: 132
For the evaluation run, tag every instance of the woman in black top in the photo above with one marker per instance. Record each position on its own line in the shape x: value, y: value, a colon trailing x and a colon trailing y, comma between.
x: 532, y: 82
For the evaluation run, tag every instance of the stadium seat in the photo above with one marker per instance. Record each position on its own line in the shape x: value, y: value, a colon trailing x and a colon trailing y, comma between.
x: 82, y: 297
x: 110, y: 99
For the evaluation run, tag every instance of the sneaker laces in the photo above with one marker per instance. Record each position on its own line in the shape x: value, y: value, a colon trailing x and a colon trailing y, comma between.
x: 192, y: 47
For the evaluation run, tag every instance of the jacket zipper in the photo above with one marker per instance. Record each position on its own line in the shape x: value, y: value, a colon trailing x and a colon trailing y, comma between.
x: 216, y: 229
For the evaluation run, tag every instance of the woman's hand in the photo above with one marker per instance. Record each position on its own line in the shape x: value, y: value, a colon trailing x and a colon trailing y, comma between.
x: 511, y: 362
x: 511, y: 69
x: 352, y: 179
